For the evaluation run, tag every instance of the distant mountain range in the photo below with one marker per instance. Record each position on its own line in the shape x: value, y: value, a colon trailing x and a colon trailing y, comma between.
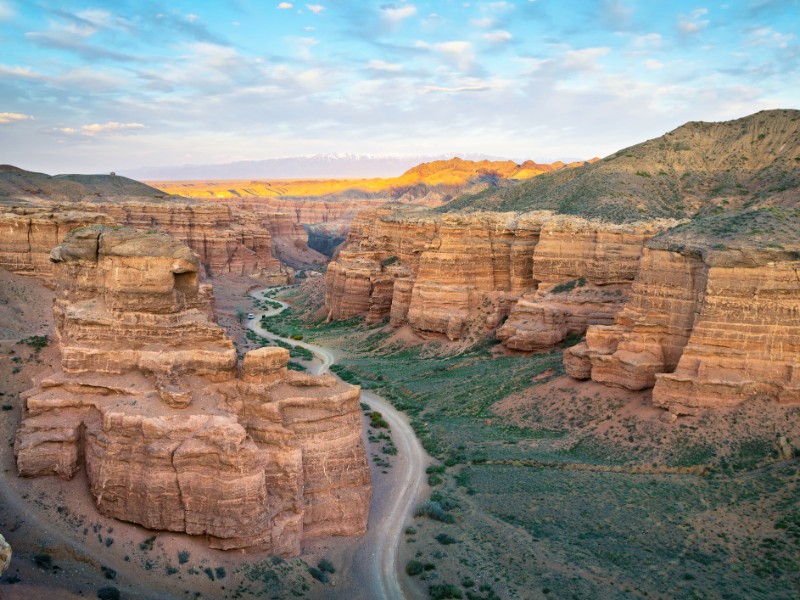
x: 335, y: 166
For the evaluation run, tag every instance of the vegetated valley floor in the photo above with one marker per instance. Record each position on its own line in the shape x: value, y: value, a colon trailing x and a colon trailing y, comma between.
x: 549, y: 487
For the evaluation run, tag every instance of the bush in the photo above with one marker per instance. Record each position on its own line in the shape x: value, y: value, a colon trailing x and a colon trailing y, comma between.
x: 108, y: 593
x: 433, y: 510
x: 220, y: 572
x: 183, y: 557
x: 445, y: 539
x: 320, y: 576
x: 444, y: 590
x: 377, y: 421
x: 414, y: 567
x: 326, y: 566
x: 434, y: 480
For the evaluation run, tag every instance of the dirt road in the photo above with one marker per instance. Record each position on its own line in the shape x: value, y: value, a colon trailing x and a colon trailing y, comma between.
x: 374, y: 573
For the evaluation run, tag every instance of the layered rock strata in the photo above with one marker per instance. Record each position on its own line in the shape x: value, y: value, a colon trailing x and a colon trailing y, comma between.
x: 550, y: 276
x: 705, y: 328
x: 28, y: 234
x: 173, y: 435
x: 584, y: 270
x: 225, y: 242
x: 438, y: 274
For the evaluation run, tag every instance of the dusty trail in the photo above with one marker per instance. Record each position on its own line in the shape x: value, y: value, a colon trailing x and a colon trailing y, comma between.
x: 375, y: 565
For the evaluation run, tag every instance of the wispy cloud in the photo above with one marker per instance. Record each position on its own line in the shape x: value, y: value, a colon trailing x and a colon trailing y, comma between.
x: 498, y: 36
x: 99, y: 128
x: 693, y: 22
x: 315, y: 8
x: 7, y: 118
x: 382, y: 65
x: 285, y: 6
x: 394, y: 15
x: 6, y: 11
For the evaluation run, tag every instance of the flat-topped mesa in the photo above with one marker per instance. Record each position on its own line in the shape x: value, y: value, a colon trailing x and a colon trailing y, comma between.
x: 706, y: 328
x: 149, y: 401
x: 583, y: 270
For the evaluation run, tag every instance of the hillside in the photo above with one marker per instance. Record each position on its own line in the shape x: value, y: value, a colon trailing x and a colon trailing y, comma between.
x: 18, y: 184
x: 697, y: 169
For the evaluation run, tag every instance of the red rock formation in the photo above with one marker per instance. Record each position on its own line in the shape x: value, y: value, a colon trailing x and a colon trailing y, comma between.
x: 446, y: 273
x: 436, y: 273
x: 5, y: 555
x: 148, y: 400
x: 584, y: 271
x: 28, y: 234
x: 706, y: 328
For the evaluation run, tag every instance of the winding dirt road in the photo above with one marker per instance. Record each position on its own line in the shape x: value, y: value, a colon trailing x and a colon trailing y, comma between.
x: 375, y: 565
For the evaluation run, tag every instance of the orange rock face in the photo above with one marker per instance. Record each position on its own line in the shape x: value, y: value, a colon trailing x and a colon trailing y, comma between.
x: 554, y: 275
x: 28, y: 234
x: 707, y: 329
x: 226, y: 242
x: 584, y: 271
x: 149, y: 401
x: 436, y: 273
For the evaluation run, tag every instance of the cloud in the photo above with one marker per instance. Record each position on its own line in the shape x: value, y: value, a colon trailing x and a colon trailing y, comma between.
x: 459, y: 53
x: 395, y: 15
x: 765, y: 36
x: 284, y: 6
x: 99, y: 128
x: 382, y: 65
x: 315, y: 8
x: 7, y: 118
x: 483, y: 22
x: 498, y: 36
x: 585, y: 59
x: 6, y: 11
x: 693, y: 22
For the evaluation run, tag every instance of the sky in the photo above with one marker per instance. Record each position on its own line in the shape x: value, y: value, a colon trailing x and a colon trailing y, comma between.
x: 94, y: 86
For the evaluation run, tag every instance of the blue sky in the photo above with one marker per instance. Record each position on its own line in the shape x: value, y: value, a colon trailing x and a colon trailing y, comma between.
x: 93, y: 86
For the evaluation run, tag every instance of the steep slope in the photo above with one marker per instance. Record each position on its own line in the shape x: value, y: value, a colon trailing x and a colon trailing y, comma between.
x: 694, y: 169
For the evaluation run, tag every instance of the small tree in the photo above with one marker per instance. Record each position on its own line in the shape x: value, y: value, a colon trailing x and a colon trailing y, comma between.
x: 240, y: 314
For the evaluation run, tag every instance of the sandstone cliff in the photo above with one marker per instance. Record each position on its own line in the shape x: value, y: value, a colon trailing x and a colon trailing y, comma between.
x: 549, y: 275
x: 173, y: 435
x: 707, y: 327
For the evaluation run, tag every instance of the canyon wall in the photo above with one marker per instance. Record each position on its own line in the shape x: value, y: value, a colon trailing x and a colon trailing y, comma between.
x: 549, y: 276
x: 5, y: 555
x: 172, y: 433
x: 225, y: 242
x: 705, y: 328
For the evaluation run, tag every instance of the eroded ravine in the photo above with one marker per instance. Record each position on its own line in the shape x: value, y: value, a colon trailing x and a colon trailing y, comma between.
x: 375, y: 561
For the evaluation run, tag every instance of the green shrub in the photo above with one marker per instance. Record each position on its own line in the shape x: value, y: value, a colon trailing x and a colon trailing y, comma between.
x: 108, y: 593
x: 320, y: 576
x: 414, y: 567
x: 433, y: 510
x: 326, y: 566
x: 445, y: 539
x: 183, y: 557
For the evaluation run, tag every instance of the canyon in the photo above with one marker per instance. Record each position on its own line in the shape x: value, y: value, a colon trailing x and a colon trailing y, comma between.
x: 172, y: 431
x: 685, y: 282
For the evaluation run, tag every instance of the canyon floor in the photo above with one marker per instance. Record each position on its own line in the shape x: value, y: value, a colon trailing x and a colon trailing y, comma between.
x: 550, y: 487
x: 64, y: 548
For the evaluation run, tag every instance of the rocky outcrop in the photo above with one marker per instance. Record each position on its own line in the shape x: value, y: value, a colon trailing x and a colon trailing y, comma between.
x: 584, y: 270
x: 5, y: 555
x: 551, y: 276
x: 28, y: 234
x: 225, y: 240
x: 706, y: 328
x: 150, y: 401
x: 437, y: 274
